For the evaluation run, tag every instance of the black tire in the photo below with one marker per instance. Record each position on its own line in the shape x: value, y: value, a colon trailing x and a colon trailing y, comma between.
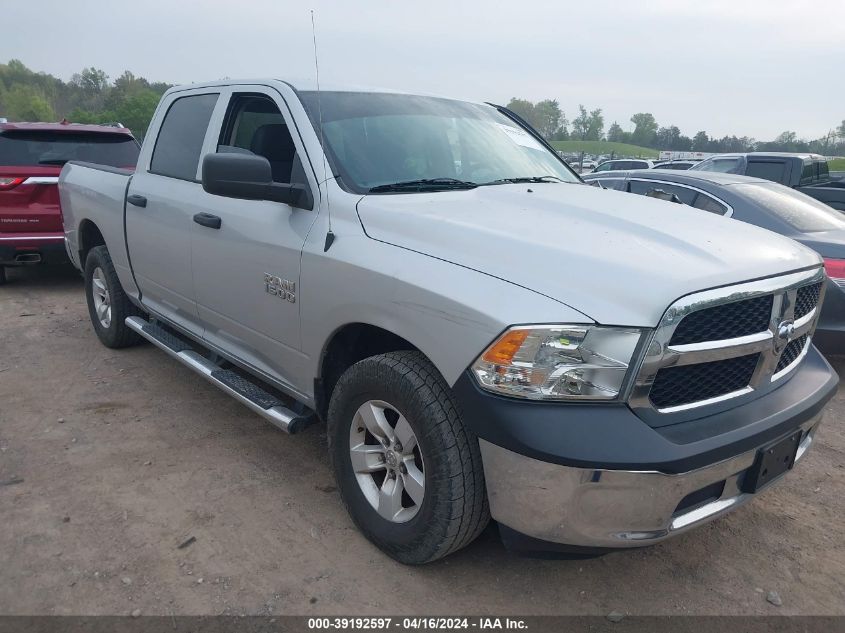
x: 454, y: 509
x: 2, y: 275
x: 117, y: 334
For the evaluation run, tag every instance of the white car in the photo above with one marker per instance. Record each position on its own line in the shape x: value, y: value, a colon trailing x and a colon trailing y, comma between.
x: 624, y: 164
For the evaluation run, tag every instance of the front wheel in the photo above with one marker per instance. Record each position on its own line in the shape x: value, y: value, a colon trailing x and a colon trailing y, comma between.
x: 407, y: 468
x: 108, y: 305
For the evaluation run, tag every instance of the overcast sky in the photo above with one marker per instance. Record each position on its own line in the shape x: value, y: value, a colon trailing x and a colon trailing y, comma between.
x: 744, y: 67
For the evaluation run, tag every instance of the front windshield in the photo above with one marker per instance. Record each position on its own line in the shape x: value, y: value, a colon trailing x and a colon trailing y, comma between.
x: 379, y: 139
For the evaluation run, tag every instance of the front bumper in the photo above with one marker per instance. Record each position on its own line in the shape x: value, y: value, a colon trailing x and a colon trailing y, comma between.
x: 595, y: 508
x: 597, y: 476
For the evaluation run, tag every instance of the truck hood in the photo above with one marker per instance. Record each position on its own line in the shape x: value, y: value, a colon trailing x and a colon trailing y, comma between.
x: 617, y: 258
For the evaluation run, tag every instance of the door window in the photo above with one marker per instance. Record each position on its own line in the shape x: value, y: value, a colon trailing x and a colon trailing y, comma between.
x: 255, y: 125
x: 612, y: 183
x: 706, y: 203
x: 179, y: 142
x: 644, y: 188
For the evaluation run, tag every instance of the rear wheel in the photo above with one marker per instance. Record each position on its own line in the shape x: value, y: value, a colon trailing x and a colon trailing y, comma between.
x: 2, y: 275
x: 108, y: 305
x: 408, y: 470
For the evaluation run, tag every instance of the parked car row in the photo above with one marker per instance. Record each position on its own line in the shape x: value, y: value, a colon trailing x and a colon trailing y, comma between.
x: 623, y: 164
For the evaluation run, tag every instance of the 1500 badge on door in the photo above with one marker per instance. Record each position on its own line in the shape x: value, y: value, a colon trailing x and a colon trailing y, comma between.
x: 279, y: 287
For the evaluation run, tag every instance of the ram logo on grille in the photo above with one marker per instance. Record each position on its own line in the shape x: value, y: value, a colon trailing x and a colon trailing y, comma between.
x: 785, y: 332
x: 726, y: 343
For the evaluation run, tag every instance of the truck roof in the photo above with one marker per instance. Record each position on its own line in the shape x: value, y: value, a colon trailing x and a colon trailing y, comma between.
x: 65, y: 126
x: 309, y: 84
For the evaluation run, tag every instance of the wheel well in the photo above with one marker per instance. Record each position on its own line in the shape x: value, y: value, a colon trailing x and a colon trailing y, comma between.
x: 347, y: 346
x: 89, y: 237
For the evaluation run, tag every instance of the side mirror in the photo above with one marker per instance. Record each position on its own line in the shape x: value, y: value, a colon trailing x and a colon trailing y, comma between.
x: 249, y: 177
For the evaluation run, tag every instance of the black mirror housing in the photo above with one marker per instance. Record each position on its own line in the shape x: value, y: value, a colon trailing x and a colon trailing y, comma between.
x: 236, y: 175
x: 250, y: 177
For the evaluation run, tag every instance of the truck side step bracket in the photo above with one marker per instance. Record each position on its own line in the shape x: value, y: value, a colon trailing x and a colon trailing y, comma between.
x: 247, y: 389
x: 241, y: 389
x: 173, y: 343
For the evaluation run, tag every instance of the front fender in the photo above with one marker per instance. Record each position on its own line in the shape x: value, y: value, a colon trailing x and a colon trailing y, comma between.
x: 448, y: 312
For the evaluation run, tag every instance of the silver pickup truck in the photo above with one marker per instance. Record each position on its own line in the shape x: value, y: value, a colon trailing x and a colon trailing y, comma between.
x: 482, y: 334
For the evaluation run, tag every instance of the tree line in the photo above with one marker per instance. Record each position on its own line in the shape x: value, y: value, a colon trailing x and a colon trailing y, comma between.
x: 92, y: 97
x: 548, y: 118
x: 89, y: 97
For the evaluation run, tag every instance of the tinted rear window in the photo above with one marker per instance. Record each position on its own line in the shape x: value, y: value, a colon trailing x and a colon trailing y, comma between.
x: 24, y: 148
x: 773, y: 171
x: 800, y: 211
x: 179, y: 143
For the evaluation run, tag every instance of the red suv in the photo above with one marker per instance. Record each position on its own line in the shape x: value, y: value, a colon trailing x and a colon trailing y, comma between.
x: 31, y: 157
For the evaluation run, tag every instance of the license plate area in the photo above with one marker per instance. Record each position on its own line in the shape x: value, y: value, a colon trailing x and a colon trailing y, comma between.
x: 771, y: 462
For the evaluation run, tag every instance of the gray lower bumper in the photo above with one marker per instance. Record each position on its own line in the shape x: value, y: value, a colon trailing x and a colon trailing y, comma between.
x: 609, y: 508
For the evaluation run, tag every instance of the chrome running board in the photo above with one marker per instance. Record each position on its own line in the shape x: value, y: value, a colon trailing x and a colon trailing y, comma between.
x: 241, y: 389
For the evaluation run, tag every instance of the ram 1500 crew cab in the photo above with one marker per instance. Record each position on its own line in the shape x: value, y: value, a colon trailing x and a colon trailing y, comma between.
x: 483, y: 334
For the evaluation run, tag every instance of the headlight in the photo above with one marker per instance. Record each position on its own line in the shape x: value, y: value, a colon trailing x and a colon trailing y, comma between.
x: 558, y: 362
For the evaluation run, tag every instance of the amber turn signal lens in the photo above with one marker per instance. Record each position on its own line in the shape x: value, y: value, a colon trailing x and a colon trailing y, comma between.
x: 503, y: 351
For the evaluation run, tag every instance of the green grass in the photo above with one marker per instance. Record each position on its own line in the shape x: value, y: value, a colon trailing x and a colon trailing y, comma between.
x: 605, y: 147
x: 836, y: 165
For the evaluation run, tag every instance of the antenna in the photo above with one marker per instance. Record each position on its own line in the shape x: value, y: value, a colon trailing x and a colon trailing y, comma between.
x: 329, y: 234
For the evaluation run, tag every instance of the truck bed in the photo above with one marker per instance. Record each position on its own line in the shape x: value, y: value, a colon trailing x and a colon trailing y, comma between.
x: 96, y: 193
x: 833, y: 196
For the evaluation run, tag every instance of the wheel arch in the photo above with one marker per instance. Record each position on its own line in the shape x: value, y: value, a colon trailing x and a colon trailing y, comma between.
x: 347, y: 345
x: 89, y: 237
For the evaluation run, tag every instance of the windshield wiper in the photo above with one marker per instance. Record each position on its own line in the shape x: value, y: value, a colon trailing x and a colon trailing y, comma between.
x: 506, y: 181
x: 53, y: 161
x: 426, y: 184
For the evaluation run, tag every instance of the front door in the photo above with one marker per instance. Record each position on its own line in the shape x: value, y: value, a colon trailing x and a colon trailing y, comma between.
x: 246, y: 272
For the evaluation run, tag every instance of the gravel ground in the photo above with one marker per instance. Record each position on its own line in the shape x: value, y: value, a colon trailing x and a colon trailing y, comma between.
x: 110, y: 460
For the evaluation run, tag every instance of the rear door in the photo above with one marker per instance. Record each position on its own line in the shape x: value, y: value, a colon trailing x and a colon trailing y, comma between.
x: 246, y: 271
x: 162, y: 199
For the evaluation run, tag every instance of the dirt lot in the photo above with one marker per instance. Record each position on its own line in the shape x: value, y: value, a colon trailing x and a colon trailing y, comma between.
x: 109, y: 460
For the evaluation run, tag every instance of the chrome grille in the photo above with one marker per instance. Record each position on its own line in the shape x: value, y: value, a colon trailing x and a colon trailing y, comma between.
x: 689, y: 383
x: 806, y: 300
x: 727, y: 343
x: 729, y: 320
x: 791, y: 352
